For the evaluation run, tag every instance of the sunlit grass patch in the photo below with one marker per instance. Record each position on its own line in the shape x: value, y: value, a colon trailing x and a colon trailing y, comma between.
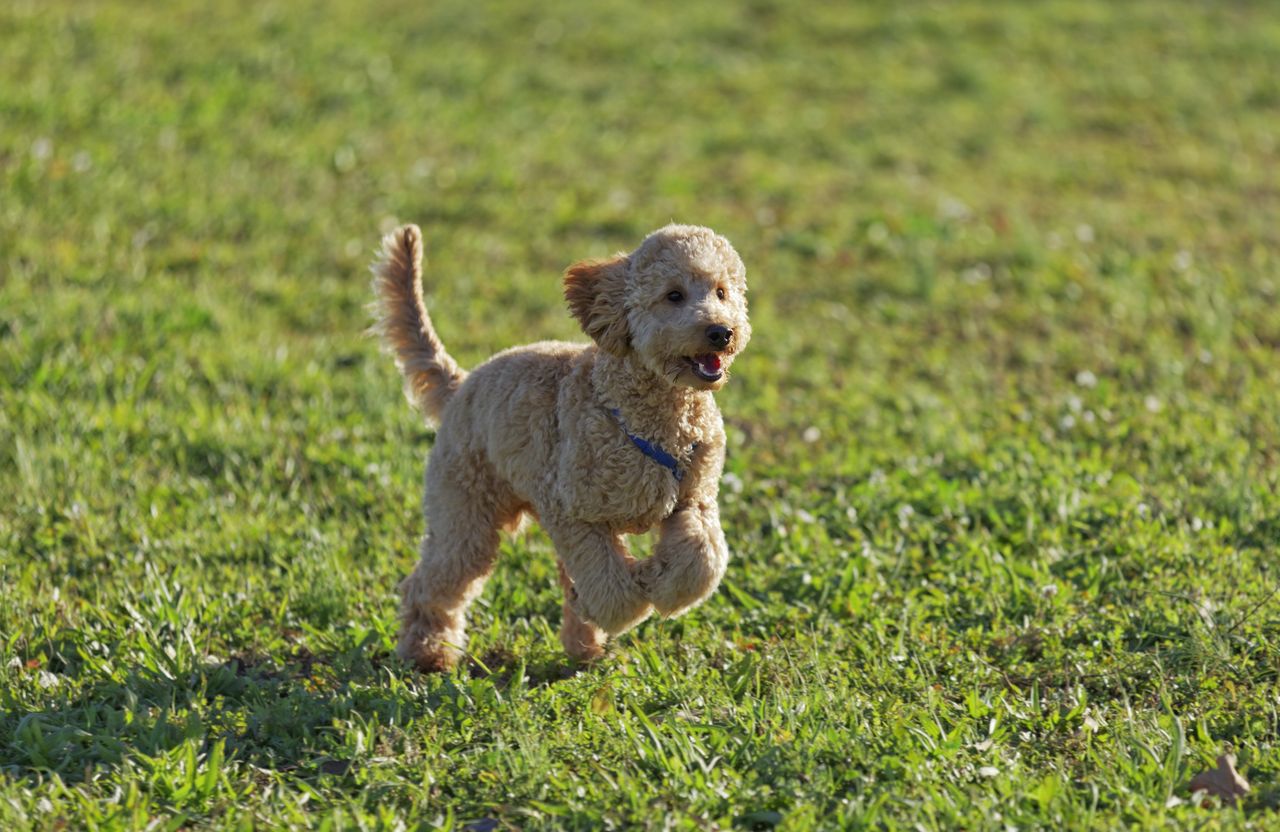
x: 1001, y: 488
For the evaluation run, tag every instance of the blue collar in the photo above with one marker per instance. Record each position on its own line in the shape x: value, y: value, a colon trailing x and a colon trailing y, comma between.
x: 653, y: 450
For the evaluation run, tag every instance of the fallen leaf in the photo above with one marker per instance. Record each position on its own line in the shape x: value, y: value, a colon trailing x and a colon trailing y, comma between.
x: 482, y: 825
x: 1223, y: 782
x: 765, y: 819
x: 602, y: 700
x: 336, y: 767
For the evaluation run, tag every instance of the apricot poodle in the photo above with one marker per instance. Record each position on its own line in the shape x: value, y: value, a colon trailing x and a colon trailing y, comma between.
x: 596, y: 441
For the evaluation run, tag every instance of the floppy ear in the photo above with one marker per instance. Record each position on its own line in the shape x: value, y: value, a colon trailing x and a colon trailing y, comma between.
x: 595, y: 290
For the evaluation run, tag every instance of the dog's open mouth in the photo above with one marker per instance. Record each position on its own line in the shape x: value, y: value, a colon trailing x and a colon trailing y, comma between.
x: 706, y: 366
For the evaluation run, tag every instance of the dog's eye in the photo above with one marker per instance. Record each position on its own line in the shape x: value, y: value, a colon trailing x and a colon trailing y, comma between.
x: 720, y: 292
x: 675, y: 296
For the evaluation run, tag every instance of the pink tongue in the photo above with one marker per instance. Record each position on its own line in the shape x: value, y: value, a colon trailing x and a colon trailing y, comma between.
x: 710, y: 362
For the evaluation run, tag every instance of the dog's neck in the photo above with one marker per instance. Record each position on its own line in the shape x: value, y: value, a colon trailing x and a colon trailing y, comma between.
x: 650, y: 405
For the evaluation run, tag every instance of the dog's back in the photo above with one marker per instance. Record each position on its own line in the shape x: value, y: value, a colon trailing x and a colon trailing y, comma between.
x: 505, y: 411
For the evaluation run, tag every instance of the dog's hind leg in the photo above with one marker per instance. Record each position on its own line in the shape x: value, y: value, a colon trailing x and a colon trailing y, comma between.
x: 582, y: 640
x: 457, y: 556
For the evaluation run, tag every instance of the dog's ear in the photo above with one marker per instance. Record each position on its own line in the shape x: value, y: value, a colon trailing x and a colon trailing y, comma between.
x: 595, y: 290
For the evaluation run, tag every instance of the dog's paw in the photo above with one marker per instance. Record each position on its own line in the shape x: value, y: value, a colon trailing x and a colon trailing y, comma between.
x: 615, y: 613
x: 584, y: 642
x: 646, y: 573
x: 658, y: 583
x: 675, y: 588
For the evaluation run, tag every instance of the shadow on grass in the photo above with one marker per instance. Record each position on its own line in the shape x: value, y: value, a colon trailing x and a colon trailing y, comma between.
x: 502, y: 668
x: 306, y: 714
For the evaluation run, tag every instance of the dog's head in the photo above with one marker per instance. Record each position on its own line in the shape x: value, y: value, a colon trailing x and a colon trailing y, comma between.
x: 677, y: 304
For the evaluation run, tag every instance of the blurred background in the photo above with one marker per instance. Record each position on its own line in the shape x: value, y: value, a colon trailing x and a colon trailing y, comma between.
x: 931, y: 198
x: 1014, y: 281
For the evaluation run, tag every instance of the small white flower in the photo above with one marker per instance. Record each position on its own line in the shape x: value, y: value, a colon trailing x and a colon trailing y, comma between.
x: 950, y: 208
x: 344, y: 159
x: 1084, y: 233
x: 988, y: 771
x: 1084, y: 378
x: 811, y: 434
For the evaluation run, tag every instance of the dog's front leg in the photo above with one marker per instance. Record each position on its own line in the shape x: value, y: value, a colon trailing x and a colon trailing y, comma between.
x: 604, y: 592
x: 688, y: 560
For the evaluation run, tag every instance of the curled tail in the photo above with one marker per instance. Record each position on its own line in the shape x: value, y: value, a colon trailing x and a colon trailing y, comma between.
x: 430, y: 375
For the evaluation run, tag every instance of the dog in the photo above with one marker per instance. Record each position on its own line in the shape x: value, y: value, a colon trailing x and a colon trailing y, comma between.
x: 594, y: 441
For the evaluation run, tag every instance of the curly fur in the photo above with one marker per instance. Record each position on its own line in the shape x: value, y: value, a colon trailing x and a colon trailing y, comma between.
x: 533, y: 431
x: 430, y: 375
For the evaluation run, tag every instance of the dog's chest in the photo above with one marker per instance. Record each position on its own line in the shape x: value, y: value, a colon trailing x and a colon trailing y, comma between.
x: 614, y: 480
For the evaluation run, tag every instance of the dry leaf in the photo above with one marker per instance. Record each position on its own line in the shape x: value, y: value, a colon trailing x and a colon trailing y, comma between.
x: 1223, y: 782
x: 602, y: 700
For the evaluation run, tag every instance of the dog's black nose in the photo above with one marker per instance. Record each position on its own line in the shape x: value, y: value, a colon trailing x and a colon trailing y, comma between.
x: 719, y: 336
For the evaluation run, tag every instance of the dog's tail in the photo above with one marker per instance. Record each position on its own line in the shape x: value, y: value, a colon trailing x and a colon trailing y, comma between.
x: 431, y: 376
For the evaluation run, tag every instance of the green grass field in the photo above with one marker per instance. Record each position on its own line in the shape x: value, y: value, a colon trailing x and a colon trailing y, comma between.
x: 1003, y: 453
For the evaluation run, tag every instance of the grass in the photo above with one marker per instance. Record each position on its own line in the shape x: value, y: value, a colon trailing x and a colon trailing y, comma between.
x: 1002, y: 477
